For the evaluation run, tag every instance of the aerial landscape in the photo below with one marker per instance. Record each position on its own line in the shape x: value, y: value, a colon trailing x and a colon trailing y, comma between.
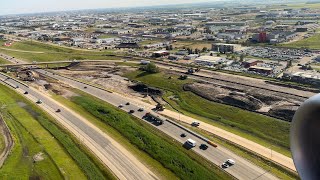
x: 155, y: 90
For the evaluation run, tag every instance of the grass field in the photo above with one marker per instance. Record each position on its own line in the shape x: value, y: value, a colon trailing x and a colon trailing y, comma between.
x: 305, y: 5
x: 2, y: 143
x: 104, y: 36
x: 185, y: 164
x: 310, y: 43
x: 3, y: 61
x: 192, y: 44
x: 34, y: 132
x: 36, y: 51
x: 264, y: 130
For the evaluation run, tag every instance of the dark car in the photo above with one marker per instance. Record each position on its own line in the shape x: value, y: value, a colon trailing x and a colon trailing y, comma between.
x: 26, y: 92
x: 204, y: 146
x: 183, y: 135
x: 58, y: 110
x: 131, y: 111
x: 85, y: 87
x: 127, y: 103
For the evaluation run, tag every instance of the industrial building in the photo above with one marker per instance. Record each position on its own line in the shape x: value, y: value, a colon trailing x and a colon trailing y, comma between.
x: 208, y: 60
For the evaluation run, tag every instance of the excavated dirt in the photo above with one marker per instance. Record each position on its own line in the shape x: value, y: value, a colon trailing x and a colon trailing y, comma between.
x: 279, y: 107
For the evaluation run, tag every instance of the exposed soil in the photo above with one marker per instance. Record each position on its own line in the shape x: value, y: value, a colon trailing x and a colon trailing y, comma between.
x: 279, y: 107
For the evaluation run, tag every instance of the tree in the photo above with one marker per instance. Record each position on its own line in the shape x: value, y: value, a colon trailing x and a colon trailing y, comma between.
x: 241, y: 57
x: 204, y: 49
x: 196, y: 51
x: 150, y: 68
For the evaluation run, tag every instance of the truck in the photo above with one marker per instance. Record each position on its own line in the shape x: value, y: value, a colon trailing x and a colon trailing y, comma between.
x: 154, y: 118
x: 191, y: 70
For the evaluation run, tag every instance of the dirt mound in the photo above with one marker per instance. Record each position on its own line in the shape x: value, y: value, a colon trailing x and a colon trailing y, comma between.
x: 284, y: 112
x: 271, y: 105
x: 54, y: 88
x: 143, y: 89
x: 225, y: 96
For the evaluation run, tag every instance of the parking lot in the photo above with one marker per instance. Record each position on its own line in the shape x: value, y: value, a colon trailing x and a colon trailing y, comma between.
x: 281, y: 54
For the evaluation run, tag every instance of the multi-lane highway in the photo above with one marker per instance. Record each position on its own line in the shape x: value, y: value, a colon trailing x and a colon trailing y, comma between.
x: 121, y: 162
x: 254, y: 147
x: 242, y: 170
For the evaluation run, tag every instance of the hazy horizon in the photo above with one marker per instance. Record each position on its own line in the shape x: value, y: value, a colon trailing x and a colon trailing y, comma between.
x: 36, y: 6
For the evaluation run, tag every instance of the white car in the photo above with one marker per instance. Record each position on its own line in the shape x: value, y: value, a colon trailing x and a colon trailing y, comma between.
x: 191, y: 142
x: 228, y: 163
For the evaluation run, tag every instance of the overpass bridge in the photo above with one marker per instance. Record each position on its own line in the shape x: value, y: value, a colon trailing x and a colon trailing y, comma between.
x: 54, y: 62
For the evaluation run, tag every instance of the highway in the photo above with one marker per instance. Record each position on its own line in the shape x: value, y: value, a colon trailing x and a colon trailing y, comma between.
x: 121, y: 162
x: 243, y: 168
x: 205, y: 76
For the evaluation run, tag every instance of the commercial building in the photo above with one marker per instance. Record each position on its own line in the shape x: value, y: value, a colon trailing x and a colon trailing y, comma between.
x: 250, y: 63
x: 130, y: 45
x: 160, y: 53
x: 263, y: 70
x: 304, y: 77
x: 208, y: 60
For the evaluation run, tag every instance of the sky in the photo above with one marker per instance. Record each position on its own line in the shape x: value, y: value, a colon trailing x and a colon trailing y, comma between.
x: 32, y: 6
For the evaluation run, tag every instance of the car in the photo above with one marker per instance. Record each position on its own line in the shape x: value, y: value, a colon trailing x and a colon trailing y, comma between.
x: 120, y: 106
x: 85, y: 87
x: 183, y: 135
x: 26, y: 92
x: 58, y: 110
x: 204, y: 146
x: 191, y: 143
x: 131, y: 111
x: 17, y: 86
x: 140, y: 109
x: 228, y: 163
x: 195, y: 123
x: 39, y: 101
x: 128, y: 103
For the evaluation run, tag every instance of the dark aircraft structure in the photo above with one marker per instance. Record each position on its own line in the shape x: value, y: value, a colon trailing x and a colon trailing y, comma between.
x: 305, y: 139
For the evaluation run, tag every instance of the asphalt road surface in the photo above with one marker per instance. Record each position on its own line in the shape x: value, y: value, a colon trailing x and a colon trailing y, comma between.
x: 123, y: 165
x: 243, y: 169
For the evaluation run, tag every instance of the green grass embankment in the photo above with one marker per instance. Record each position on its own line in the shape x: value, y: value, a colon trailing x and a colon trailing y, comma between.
x: 34, y: 131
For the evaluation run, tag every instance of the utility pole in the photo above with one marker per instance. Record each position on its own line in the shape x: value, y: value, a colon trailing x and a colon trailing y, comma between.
x: 147, y: 91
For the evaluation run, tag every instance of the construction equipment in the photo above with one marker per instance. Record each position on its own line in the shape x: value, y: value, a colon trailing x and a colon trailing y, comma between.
x: 160, y: 107
x: 154, y: 118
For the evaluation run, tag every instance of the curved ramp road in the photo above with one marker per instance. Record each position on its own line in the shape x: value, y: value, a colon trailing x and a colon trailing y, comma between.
x: 242, y: 170
x: 121, y: 162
